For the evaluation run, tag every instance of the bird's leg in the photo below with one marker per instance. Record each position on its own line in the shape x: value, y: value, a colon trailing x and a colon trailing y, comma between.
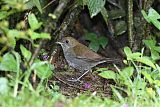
x: 78, y: 79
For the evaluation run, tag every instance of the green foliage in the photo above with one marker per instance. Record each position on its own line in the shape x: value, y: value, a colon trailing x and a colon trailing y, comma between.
x: 33, y: 22
x: 95, y: 6
x: 96, y: 42
x: 152, y: 17
x: 105, y: 73
x: 155, y: 50
x: 11, y: 60
x: 4, y: 88
x: 138, y: 81
x: 138, y: 57
x: 26, y: 53
x: 37, y: 4
x: 120, y: 28
x: 8, y: 63
x: 9, y: 7
x: 43, y: 69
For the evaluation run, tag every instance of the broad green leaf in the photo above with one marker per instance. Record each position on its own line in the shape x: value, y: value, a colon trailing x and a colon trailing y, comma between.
x: 108, y: 74
x: 26, y: 53
x: 147, y: 61
x: 17, y: 34
x: 155, y: 55
x: 95, y: 6
x: 43, y: 69
x: 157, y: 82
x: 150, y: 43
x: 127, y: 50
x: 153, y: 14
x: 3, y: 14
x: 157, y: 48
x: 11, y: 41
x: 156, y: 23
x: 103, y: 41
x: 94, y: 46
x: 38, y: 5
x: 33, y: 22
x: 120, y: 28
x: 147, y: 76
x: 29, y: 5
x: 117, y: 13
x: 145, y: 16
x: 152, y: 17
x: 35, y: 35
x: 128, y: 71
x: 158, y: 68
x: 13, y: 33
x: 4, y: 88
x: 8, y: 63
x: 45, y: 36
x: 95, y: 41
x: 135, y: 55
x: 90, y: 37
x: 117, y: 93
x: 131, y: 55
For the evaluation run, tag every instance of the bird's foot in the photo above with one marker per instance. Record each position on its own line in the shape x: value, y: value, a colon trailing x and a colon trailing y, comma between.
x: 74, y: 80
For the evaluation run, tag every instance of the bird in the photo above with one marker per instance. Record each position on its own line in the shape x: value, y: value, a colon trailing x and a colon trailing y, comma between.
x: 80, y: 56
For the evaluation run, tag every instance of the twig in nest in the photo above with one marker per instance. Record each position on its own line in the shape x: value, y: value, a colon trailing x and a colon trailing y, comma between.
x: 68, y: 84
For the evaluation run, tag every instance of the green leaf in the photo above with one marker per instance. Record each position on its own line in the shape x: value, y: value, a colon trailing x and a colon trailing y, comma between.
x: 157, y: 48
x: 38, y: 5
x: 120, y: 28
x: 29, y: 5
x: 95, y: 42
x: 135, y: 55
x: 130, y: 55
x: 94, y: 46
x: 43, y: 69
x: 117, y: 13
x: 108, y: 74
x: 95, y: 6
x: 147, y: 76
x: 90, y: 37
x: 147, y: 61
x: 35, y: 35
x: 4, y: 88
x: 128, y: 71
x: 157, y: 82
x: 33, y: 22
x: 155, y: 55
x: 150, y: 43
x: 26, y: 53
x: 45, y: 36
x: 152, y: 17
x: 152, y: 14
x: 145, y: 16
x: 3, y: 14
x: 103, y: 41
x: 127, y: 50
x: 17, y: 34
x: 11, y: 41
x: 8, y: 63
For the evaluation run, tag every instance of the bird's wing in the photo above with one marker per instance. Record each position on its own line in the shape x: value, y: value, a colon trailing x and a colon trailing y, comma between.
x: 82, y: 51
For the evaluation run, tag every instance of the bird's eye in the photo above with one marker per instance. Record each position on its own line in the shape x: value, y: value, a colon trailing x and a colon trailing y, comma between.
x: 67, y: 41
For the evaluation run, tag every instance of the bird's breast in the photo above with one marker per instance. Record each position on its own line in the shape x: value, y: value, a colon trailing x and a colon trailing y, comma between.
x: 77, y: 63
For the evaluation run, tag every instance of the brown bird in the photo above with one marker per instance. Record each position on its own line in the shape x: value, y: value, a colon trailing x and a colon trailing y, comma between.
x: 80, y: 56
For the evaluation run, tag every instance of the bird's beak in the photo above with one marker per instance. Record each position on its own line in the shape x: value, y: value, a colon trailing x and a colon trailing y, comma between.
x: 58, y: 43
